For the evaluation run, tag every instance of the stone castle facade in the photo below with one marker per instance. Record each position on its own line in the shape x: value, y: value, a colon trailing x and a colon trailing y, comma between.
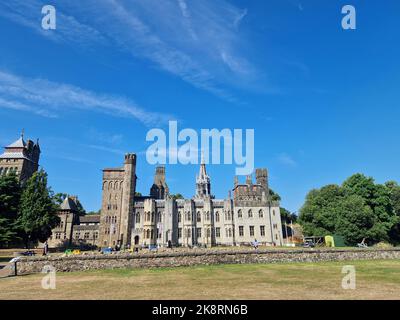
x: 158, y: 219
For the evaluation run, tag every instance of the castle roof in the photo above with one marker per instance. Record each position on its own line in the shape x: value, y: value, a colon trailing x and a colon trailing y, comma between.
x: 90, y: 218
x: 20, y: 143
x: 69, y: 204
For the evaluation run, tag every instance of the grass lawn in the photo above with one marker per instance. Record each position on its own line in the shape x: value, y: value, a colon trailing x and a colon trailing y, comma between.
x: 378, y: 279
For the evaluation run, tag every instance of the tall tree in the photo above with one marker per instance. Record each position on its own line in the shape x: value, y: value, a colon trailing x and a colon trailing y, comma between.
x: 37, y: 214
x: 10, y: 194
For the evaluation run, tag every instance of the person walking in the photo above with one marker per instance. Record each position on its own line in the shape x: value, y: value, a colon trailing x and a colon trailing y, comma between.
x: 45, y: 248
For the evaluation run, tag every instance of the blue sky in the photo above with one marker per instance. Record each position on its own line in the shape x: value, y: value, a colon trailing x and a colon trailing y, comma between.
x: 323, y: 101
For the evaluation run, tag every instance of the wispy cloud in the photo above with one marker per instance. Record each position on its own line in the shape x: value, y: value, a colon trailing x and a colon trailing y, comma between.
x: 287, y: 160
x: 106, y: 149
x: 104, y: 137
x: 51, y: 99
x: 197, y: 41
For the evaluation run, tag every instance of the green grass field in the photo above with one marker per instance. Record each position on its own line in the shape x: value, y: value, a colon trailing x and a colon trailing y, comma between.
x: 378, y: 279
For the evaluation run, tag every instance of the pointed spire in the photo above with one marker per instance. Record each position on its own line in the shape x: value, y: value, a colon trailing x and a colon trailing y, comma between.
x: 22, y: 133
x: 202, y: 158
x: 203, y: 171
x: 236, y: 181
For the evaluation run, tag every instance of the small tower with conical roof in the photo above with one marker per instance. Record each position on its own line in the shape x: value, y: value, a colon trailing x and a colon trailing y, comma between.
x: 20, y: 157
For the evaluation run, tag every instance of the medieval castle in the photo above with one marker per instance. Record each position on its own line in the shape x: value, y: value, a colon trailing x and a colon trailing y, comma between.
x: 159, y: 219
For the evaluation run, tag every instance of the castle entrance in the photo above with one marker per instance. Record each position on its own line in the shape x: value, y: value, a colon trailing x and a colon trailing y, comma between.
x: 136, y: 240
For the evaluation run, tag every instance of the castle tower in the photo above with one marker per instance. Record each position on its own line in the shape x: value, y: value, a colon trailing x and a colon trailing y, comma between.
x: 21, y: 157
x: 160, y: 189
x: 262, y: 178
x: 128, y: 196
x: 203, y: 182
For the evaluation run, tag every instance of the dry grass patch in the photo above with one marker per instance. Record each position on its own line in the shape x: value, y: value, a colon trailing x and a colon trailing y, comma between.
x: 379, y: 279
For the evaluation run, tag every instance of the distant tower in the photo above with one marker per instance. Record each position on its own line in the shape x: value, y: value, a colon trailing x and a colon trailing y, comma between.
x: 203, y: 182
x: 21, y: 157
x: 249, y: 180
x: 128, y: 196
x: 159, y: 189
x: 262, y: 178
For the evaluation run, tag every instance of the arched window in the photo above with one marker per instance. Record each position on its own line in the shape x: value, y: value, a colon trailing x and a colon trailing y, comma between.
x: 152, y: 217
x: 179, y: 217
x: 217, y: 216
x: 138, y: 217
x: 208, y: 233
x: 110, y: 185
x: 198, y: 216
x: 250, y: 214
x: 188, y: 216
x: 260, y: 214
x: 104, y: 185
x: 148, y: 216
x: 189, y: 232
x: 147, y: 234
x: 229, y: 232
x: 159, y: 217
x: 152, y: 234
x: 208, y: 216
x: 240, y: 213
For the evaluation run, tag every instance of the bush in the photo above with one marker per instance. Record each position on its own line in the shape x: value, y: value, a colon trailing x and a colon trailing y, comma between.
x: 383, y: 245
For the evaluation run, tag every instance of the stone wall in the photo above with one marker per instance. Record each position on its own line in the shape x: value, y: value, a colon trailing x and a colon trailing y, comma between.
x: 28, y: 265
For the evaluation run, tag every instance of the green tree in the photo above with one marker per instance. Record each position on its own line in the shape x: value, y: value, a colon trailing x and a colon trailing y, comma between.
x: 287, y: 216
x: 394, y: 191
x: 274, y: 196
x: 37, y: 214
x: 176, y: 196
x: 357, y: 209
x: 10, y: 194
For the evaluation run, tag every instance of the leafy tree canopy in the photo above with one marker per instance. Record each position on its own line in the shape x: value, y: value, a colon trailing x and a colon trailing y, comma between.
x: 37, y: 215
x: 357, y: 209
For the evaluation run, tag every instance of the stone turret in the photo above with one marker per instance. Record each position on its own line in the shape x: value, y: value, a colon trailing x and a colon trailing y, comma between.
x: 262, y: 178
x: 128, y: 197
x: 159, y: 189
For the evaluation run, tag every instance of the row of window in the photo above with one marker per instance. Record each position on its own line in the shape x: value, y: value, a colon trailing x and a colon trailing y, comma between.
x: 229, y: 232
x: 111, y: 219
x: 112, y: 230
x: 149, y: 234
x: 8, y: 170
x: 86, y: 235
x: 150, y: 217
x: 112, y: 185
x: 112, y: 207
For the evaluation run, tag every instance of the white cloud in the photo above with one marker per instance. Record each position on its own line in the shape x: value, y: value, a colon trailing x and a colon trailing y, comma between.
x: 287, y: 160
x: 197, y: 41
x: 51, y: 99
